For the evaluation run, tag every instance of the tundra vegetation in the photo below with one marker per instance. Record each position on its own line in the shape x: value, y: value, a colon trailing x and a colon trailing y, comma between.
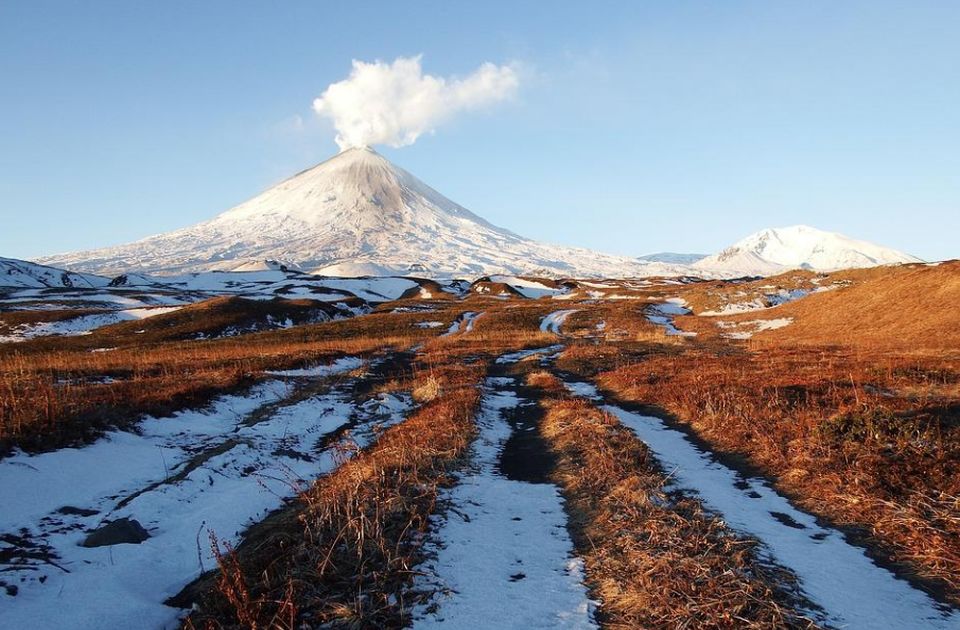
x: 850, y: 407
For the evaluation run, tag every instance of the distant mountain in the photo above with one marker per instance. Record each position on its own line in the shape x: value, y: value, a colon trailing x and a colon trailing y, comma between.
x: 23, y: 274
x: 672, y: 258
x: 775, y: 250
x: 356, y: 212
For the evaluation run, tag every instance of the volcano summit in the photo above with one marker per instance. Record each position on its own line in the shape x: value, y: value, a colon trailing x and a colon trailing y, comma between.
x: 355, y: 214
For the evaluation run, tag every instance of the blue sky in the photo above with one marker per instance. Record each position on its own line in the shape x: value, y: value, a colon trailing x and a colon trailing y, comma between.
x: 638, y: 126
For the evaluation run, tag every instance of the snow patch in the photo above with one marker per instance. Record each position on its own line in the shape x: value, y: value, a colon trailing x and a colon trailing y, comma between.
x: 552, y: 322
x: 503, y: 551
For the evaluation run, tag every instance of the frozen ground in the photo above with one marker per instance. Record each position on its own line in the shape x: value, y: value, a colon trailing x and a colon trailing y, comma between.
x: 199, y: 472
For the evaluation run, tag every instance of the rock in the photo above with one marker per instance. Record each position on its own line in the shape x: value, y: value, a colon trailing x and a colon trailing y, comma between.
x: 75, y: 511
x: 118, y: 532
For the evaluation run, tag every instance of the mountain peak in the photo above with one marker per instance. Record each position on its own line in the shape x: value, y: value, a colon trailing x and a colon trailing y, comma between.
x: 359, y: 210
x: 774, y: 250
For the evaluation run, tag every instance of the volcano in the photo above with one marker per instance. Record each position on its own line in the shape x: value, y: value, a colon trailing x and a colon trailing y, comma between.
x: 354, y: 214
x: 775, y: 250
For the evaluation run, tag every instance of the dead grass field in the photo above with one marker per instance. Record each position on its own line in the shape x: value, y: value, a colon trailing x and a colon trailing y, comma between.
x: 54, y: 393
x: 870, y: 444
x: 853, y: 410
x: 653, y: 560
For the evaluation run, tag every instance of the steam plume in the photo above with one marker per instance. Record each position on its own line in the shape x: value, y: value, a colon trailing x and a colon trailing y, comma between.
x: 395, y: 103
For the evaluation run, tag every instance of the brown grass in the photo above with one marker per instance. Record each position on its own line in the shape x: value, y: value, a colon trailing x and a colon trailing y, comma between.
x: 904, y: 309
x: 654, y: 560
x: 347, y: 560
x: 908, y: 308
x: 870, y: 442
x: 52, y: 395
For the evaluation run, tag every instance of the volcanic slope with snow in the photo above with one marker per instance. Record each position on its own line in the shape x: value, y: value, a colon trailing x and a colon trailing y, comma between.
x: 356, y: 211
x: 775, y: 250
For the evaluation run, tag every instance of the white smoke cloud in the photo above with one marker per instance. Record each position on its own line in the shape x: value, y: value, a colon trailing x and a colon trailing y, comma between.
x: 395, y: 103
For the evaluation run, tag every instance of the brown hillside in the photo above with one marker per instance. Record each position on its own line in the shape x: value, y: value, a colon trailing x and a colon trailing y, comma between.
x: 914, y: 307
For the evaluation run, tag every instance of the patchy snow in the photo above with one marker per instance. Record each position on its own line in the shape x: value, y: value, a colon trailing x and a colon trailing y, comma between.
x: 737, y: 307
x: 753, y: 327
x: 598, y: 285
x: 181, y: 478
x: 432, y: 325
x: 503, y: 555
x: 662, y: 315
x: 513, y: 357
x: 463, y: 322
x: 837, y: 576
x: 83, y: 325
x: 469, y: 319
x: 343, y: 364
x: 553, y: 321
x: 620, y: 296
x: 530, y: 288
x: 768, y: 300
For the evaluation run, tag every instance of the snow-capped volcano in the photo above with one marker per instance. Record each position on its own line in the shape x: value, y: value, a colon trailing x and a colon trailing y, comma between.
x: 355, y: 214
x: 775, y: 250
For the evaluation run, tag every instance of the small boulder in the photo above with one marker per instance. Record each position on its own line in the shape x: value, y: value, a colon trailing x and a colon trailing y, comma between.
x: 118, y: 532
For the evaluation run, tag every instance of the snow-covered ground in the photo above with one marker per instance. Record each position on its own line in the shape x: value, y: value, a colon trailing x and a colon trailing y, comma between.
x: 84, y: 324
x: 663, y: 314
x: 746, y: 330
x: 531, y: 288
x: 462, y: 323
x: 553, y: 321
x: 852, y: 591
x: 503, y: 557
x: 182, y: 478
x: 21, y: 273
x: 775, y: 250
x: 343, y: 364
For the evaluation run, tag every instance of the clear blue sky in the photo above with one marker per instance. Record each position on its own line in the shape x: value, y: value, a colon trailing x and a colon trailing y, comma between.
x: 638, y: 127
